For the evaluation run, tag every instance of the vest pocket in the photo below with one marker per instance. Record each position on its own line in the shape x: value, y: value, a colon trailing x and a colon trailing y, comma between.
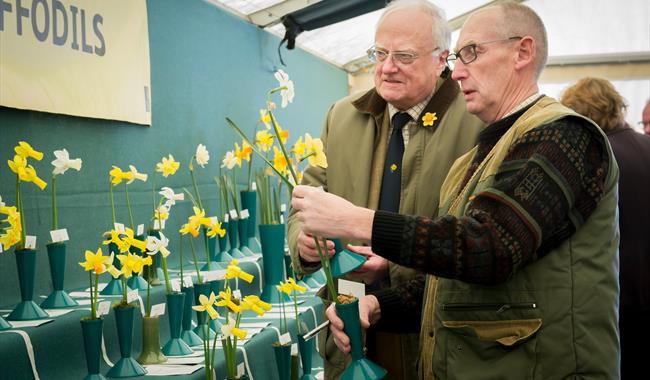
x: 503, y: 349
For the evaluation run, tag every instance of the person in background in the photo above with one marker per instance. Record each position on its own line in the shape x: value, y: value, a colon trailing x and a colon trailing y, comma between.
x: 597, y: 99
x: 646, y: 118
x: 525, y: 247
x: 390, y: 148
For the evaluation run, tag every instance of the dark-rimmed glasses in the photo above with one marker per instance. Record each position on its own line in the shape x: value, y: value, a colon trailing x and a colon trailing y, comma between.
x: 467, y: 54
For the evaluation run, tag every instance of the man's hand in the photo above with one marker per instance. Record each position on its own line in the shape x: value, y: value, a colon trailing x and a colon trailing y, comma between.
x: 369, y: 313
x: 307, y: 247
x: 325, y: 214
x: 374, y: 269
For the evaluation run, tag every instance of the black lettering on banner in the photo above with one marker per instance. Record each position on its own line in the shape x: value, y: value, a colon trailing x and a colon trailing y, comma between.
x: 40, y: 35
x: 97, y: 21
x: 20, y: 13
x: 4, y: 6
x: 74, y: 44
x: 84, y: 46
x: 59, y: 9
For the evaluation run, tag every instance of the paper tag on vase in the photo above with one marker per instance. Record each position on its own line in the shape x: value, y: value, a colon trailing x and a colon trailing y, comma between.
x: 244, y: 214
x: 187, y: 282
x: 226, y: 218
x: 103, y: 308
x: 356, y: 289
x: 132, y: 296
x: 283, y: 207
x: 237, y: 293
x: 176, y: 285
x: 241, y: 369
x: 158, y: 224
x: 233, y: 214
x: 285, y: 339
x: 294, y: 349
x: 140, y: 229
x: 30, y: 242
x: 214, y: 219
x: 119, y: 228
x: 60, y: 235
x: 254, y: 186
x: 157, y: 310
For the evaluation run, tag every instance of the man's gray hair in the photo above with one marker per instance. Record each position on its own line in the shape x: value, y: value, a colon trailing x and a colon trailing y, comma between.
x: 440, y: 28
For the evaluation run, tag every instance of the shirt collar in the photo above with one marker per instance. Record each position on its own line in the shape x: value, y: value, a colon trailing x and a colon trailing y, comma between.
x: 414, y: 111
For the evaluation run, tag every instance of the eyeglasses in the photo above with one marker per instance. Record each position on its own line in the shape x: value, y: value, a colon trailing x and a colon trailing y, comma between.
x: 467, y: 54
x: 405, y: 57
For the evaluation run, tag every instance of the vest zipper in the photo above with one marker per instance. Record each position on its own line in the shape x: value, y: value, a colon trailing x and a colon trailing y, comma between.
x: 498, y: 307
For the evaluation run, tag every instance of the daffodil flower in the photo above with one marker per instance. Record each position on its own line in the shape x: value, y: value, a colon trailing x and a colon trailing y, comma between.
x: 299, y: 147
x: 96, y: 262
x: 294, y: 286
x: 207, y: 304
x: 229, y: 160
x: 32, y: 177
x: 256, y: 304
x: 168, y: 166
x: 137, y: 175
x: 117, y: 175
x: 63, y: 162
x: 230, y: 329
x: 162, y: 212
x: 26, y: 173
x: 202, y: 155
x: 130, y: 239
x: 284, y: 134
x: 228, y: 301
x: 233, y: 271
x: 264, y: 140
x: 155, y: 245
x: 115, y: 238
x: 429, y: 118
x: 244, y: 153
x: 279, y: 161
x: 170, y: 196
x: 314, y: 147
x: 215, y: 229
x: 284, y: 288
x: 133, y: 263
x: 199, y: 218
x: 25, y: 150
x: 189, y: 229
x: 265, y: 118
x: 287, y: 91
x: 11, y: 237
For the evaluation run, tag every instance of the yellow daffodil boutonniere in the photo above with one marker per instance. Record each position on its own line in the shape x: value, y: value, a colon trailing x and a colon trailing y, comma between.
x: 428, y: 119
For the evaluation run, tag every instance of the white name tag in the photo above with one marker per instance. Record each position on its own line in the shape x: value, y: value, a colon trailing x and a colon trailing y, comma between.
x: 226, y: 218
x: 241, y: 369
x: 285, y: 339
x: 187, y: 281
x: 244, y: 214
x: 254, y: 186
x: 132, y: 296
x: 283, y: 207
x: 103, y: 308
x: 157, y: 310
x: 237, y: 293
x: 281, y: 219
x: 294, y: 349
x: 140, y: 229
x: 158, y: 224
x: 356, y: 289
x: 30, y: 242
x: 176, y: 285
x: 119, y: 228
x: 59, y: 235
x: 214, y: 219
x: 233, y: 214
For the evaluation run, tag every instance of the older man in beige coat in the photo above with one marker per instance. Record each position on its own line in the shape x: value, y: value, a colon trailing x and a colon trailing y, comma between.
x: 411, y: 77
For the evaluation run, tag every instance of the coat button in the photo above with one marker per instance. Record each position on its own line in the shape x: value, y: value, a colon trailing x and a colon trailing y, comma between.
x: 431, y: 334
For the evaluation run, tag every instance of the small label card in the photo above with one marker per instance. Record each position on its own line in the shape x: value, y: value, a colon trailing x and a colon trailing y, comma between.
x: 187, y: 282
x: 244, y: 214
x: 140, y: 229
x: 132, y: 296
x: 254, y: 186
x: 30, y: 242
x: 283, y: 207
x: 103, y: 308
x: 356, y: 289
x: 211, y: 276
x: 241, y: 368
x: 59, y: 235
x: 285, y: 339
x: 176, y: 285
x: 237, y: 293
x: 281, y: 219
x: 214, y: 219
x: 158, y: 224
x: 233, y: 214
x: 0, y: 248
x: 119, y: 228
x: 294, y: 349
x: 157, y: 310
x: 226, y: 218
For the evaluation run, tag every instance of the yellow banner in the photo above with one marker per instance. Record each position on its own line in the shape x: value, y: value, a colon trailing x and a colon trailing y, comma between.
x: 85, y: 58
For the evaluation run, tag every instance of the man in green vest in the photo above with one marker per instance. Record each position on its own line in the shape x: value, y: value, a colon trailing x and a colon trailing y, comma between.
x: 374, y: 163
x: 525, y: 249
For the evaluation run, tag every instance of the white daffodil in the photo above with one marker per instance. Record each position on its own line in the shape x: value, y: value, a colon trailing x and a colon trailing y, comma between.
x: 231, y: 329
x: 229, y: 160
x: 63, y: 162
x: 287, y: 92
x: 155, y: 245
x: 136, y: 175
x: 202, y: 155
x: 170, y: 196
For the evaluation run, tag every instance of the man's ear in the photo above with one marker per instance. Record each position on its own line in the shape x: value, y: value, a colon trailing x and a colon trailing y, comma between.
x: 441, y: 62
x: 526, y: 53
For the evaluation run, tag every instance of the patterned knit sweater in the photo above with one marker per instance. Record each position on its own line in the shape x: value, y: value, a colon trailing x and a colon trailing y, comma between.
x: 564, y: 162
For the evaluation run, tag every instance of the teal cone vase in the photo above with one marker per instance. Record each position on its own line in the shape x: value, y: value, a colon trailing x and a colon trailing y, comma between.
x: 344, y: 261
x: 91, y: 330
x: 126, y: 366
x: 187, y: 334
x: 114, y: 286
x: 360, y: 367
x: 175, y: 346
x: 223, y: 240
x: 151, y: 353
x: 272, y: 237
x: 201, y: 316
x: 27, y: 309
x: 242, y: 227
x: 58, y: 299
x: 306, y: 350
x: 283, y: 361
x: 233, y: 233
x: 4, y: 325
x: 249, y: 202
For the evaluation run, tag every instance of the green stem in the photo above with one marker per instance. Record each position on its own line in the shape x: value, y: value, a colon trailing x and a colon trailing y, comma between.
x: 295, y: 306
x: 164, y: 265
x: 214, y: 349
x: 207, y: 245
x: 181, y: 256
x: 93, y: 311
x: 96, y: 292
x: 153, y: 202
x: 196, y: 188
x: 196, y: 264
x: 325, y: 263
x: 284, y: 150
x: 128, y: 205
x: 54, y: 218
x: 19, y: 203
x: 110, y: 191
x: 250, y: 173
x: 148, y: 311
x: 206, y: 350
x: 125, y: 288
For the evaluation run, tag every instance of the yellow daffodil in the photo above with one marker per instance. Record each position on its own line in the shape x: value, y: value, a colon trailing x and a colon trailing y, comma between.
x: 256, y: 304
x: 292, y: 283
x: 199, y: 219
x: 161, y: 213
x: 314, y: 147
x: 215, y: 229
x: 189, y: 229
x: 264, y: 140
x: 229, y: 160
x: 155, y: 245
x: 33, y: 177
x: 115, y: 238
x: 168, y: 166
x: 284, y: 288
x: 244, y: 153
x: 429, y: 118
x: 284, y: 135
x: 279, y: 161
x: 393, y: 167
x: 207, y: 304
x: 299, y: 147
x: 228, y: 301
x: 202, y: 155
x: 234, y: 271
x: 26, y: 173
x: 265, y: 118
x: 10, y: 237
x: 117, y: 175
x: 13, y: 216
x: 137, y: 175
x: 287, y: 91
x: 130, y: 239
x: 231, y: 329
x: 25, y: 150
x: 97, y: 262
x: 133, y: 263
x: 63, y: 162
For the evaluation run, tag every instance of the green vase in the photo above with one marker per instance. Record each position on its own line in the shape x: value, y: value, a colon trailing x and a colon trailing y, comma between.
x: 201, y: 316
x: 176, y: 346
x: 150, y: 272
x: 4, y: 325
x: 58, y: 299
x: 126, y: 366
x: 91, y: 329
x: 27, y: 309
x: 242, y: 228
x: 151, y: 353
x: 114, y: 286
x: 360, y: 367
x: 344, y: 261
x: 233, y: 233
x: 223, y: 256
x: 272, y: 237
x: 249, y: 202
x: 306, y: 349
x: 187, y: 334
x: 283, y: 360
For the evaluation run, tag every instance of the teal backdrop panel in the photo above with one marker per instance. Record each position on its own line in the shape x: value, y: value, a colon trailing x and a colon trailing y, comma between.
x: 205, y: 65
